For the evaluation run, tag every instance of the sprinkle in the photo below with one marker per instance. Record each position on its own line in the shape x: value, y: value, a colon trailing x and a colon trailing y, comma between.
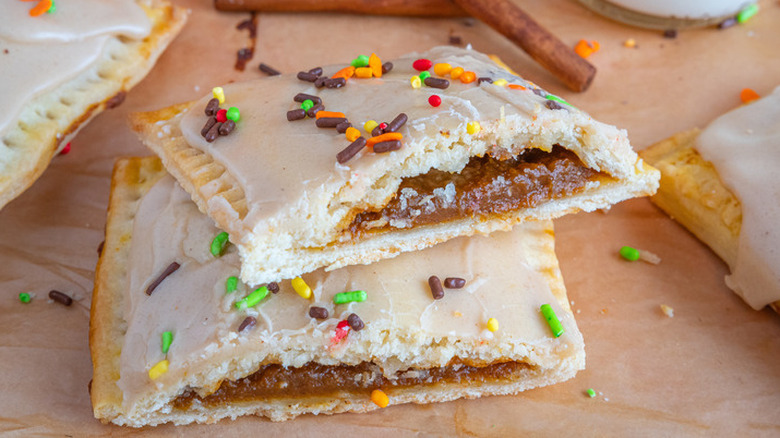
x: 387, y: 146
x: 387, y: 67
x: 273, y: 287
x: 253, y: 298
x: 396, y: 124
x: 649, y: 257
x: 313, y: 111
x: 212, y: 107
x: 481, y: 80
x: 586, y: 48
x: 52, y: 9
x: 364, y: 73
x: 390, y: 136
x: 630, y: 43
x: 350, y: 151
x: 422, y: 64
x: 158, y: 369
x: 670, y: 33
x: 247, y: 324
x: 344, y: 73
x: 424, y: 75
x: 335, y: 82
x: 355, y: 323
x: 473, y: 127
x: 213, y: 132
x: 454, y: 282
x: 553, y: 105
x: 456, y: 72
x: 355, y: 296
x: 342, y: 330
x: 668, y: 311
x: 302, y: 97
x: 301, y: 287
x: 727, y: 23
x: 342, y: 127
x: 219, y: 243
x: 416, y: 82
x: 370, y: 125
x: 516, y: 87
x: 380, y: 398
x: 318, y: 312
x: 468, y: 77
x: 207, y: 127
x: 65, y: 150
x: 218, y: 94
x: 60, y: 297
x: 320, y: 82
x: 352, y: 134
x: 316, y: 71
x: 168, y: 271
x: 747, y: 95
x: 375, y: 64
x: 492, y: 324
x: 329, y: 122
x: 40, y: 8
x: 296, y: 114
x: 360, y: 61
x: 437, y: 83
x: 629, y: 253
x: 306, y: 76
x: 227, y: 127
x: 434, y: 100
x: 167, y: 338
x: 556, y: 98
x: 442, y: 68
x: 307, y: 104
x: 233, y: 114
x: 231, y: 284
x: 747, y: 13
x: 552, y: 320
x: 267, y: 69
x: 436, y: 290
x: 500, y: 82
x: 322, y: 114
x: 591, y: 392
x: 24, y: 297
x: 222, y: 116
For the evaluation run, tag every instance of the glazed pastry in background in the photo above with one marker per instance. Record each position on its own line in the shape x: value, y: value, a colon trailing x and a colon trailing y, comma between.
x: 481, y: 156
x: 721, y: 183
x: 62, y: 68
x: 277, y: 357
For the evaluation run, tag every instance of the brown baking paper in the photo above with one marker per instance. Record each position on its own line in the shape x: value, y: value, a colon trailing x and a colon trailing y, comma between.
x: 712, y: 369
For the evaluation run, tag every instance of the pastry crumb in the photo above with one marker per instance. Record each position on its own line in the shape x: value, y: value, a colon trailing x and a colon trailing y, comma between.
x: 668, y: 311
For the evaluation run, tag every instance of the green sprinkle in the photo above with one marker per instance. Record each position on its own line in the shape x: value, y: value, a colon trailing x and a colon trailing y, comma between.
x: 424, y: 75
x: 233, y: 114
x: 552, y: 320
x: 356, y: 296
x: 231, y: 284
x: 556, y: 98
x: 360, y: 61
x: 219, y: 243
x: 630, y: 254
x: 591, y: 393
x: 307, y: 104
x: 52, y: 9
x: 252, y: 299
x: 24, y: 297
x: 167, y: 338
x: 747, y: 13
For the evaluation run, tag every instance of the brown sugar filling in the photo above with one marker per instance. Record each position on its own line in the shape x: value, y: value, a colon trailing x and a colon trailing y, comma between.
x: 316, y: 380
x: 485, y: 186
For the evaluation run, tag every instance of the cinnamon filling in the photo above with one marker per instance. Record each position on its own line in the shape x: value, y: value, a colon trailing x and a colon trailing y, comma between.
x: 485, y: 186
x: 315, y: 380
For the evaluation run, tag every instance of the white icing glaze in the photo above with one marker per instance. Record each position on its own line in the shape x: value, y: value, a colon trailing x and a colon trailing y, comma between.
x: 501, y: 283
x: 744, y: 147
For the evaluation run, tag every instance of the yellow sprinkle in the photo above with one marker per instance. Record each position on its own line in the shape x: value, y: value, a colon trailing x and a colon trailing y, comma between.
x: 442, y: 68
x: 380, y: 398
x: 219, y: 93
x: 364, y: 72
x: 301, y: 287
x: 456, y: 72
x: 416, y: 82
x: 492, y: 324
x: 158, y: 369
x: 457, y: 314
x: 500, y: 82
x: 370, y: 125
x: 630, y: 43
x: 473, y: 127
x: 352, y: 134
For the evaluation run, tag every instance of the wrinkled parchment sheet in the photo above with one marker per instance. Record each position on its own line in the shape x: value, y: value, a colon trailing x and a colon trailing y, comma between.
x: 713, y: 369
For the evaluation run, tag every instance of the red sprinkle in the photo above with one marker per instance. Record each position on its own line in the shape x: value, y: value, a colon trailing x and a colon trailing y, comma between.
x: 422, y: 64
x: 434, y: 100
x: 66, y: 149
x: 342, y: 330
x: 222, y: 116
x: 383, y: 126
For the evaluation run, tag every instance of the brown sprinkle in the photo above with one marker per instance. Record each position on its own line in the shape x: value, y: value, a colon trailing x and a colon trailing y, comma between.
x: 209, y: 123
x: 397, y: 122
x: 320, y: 82
x: 351, y: 150
x: 454, y: 282
x: 213, y: 132
x: 355, y: 323
x: 267, y: 69
x: 481, y: 80
x: 316, y: 71
x: 60, y: 298
x: 553, y: 105
x: 329, y: 122
x: 212, y: 107
x: 386, y: 67
x: 273, y: 287
x: 436, y: 290
x: 300, y: 97
x: 318, y: 312
x: 342, y: 127
x: 247, y: 324
x: 540, y: 92
x: 227, y: 127
x: 168, y: 271
x: 296, y: 114
x: 312, y: 112
x: 387, y: 146
x: 306, y: 76
x: 437, y: 83
x: 116, y: 100
x: 377, y: 131
x: 335, y: 82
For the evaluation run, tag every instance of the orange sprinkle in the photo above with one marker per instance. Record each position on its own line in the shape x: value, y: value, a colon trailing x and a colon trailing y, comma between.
x: 375, y: 64
x: 456, y: 72
x: 380, y: 398
x: 516, y: 87
x: 321, y: 114
x: 345, y: 73
x: 747, y: 95
x: 40, y: 8
x: 364, y: 72
x: 352, y: 134
x: 390, y: 136
x: 468, y: 77
x: 587, y: 48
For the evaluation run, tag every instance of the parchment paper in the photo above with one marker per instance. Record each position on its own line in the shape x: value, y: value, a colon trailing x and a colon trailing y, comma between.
x: 713, y: 369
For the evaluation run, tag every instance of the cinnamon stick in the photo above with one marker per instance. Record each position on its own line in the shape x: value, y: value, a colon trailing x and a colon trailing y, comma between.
x: 512, y: 22
x: 420, y: 8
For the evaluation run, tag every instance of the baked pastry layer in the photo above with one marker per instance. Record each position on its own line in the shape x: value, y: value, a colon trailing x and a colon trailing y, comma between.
x: 439, y: 349
x: 279, y: 191
x: 64, y: 68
